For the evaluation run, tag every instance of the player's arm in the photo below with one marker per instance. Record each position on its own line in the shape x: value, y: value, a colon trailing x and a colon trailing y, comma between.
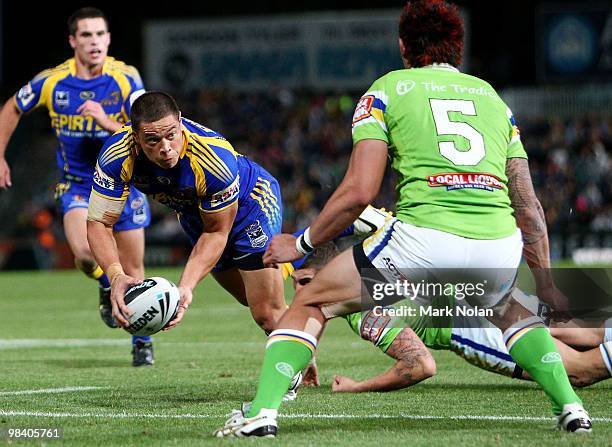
x: 204, y: 255
x: 359, y: 187
x: 103, y: 213
x: 9, y: 118
x: 96, y: 111
x: 414, y: 364
x: 108, y: 196
x: 531, y: 220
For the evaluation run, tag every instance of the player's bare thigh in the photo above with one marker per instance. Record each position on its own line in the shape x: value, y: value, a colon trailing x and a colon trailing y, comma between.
x: 131, y: 246
x: 338, y: 281
x: 75, y: 229
x: 232, y: 282
x: 265, y: 294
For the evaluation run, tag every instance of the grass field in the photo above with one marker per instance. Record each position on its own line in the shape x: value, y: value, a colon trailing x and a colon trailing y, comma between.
x: 61, y: 367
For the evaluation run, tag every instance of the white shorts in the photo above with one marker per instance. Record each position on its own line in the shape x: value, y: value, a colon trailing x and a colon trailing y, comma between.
x: 482, y: 346
x: 401, y: 251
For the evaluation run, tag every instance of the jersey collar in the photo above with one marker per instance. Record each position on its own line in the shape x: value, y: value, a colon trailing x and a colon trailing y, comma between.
x: 442, y: 66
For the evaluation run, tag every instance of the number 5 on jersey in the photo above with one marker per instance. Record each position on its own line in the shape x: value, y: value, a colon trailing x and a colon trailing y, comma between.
x: 444, y: 126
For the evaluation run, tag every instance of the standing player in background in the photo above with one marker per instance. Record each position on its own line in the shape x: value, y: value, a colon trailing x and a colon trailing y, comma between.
x: 88, y: 98
x: 463, y: 188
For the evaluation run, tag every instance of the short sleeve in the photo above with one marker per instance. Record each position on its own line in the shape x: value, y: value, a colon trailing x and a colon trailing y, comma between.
x: 369, y: 117
x: 222, y: 179
x: 30, y: 95
x: 109, y: 176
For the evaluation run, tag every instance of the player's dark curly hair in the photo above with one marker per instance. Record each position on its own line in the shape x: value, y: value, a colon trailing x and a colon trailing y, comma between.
x: 151, y: 107
x: 84, y: 13
x: 432, y: 31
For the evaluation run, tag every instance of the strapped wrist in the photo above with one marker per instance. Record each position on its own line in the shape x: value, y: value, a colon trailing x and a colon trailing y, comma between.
x: 113, y: 271
x: 303, y: 244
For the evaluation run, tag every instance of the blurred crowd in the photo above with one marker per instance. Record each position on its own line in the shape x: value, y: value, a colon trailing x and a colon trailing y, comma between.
x: 304, y: 139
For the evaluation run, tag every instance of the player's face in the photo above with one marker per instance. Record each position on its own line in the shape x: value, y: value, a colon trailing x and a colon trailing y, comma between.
x: 161, y: 141
x: 91, y: 41
x: 302, y: 277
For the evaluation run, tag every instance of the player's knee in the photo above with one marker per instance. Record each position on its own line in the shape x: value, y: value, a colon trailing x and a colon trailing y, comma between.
x: 428, y: 366
x: 266, y: 316
x: 85, y: 262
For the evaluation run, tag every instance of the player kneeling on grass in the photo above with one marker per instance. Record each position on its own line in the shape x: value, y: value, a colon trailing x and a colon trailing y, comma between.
x: 406, y: 339
x: 229, y: 206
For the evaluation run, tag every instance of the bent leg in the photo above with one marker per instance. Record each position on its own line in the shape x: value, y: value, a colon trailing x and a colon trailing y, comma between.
x: 232, y: 282
x: 75, y: 229
x: 291, y: 346
x: 265, y: 295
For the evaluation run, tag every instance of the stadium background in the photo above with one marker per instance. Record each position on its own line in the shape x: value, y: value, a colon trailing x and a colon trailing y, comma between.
x: 552, y: 62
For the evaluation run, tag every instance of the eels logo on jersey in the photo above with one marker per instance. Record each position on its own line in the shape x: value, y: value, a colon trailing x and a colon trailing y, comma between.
x: 256, y: 234
x: 465, y: 180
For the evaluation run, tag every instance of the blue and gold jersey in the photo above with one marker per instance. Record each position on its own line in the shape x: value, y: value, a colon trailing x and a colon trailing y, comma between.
x: 62, y: 93
x: 209, y: 177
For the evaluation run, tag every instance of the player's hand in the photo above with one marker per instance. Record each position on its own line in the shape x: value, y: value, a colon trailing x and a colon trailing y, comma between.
x: 311, y: 374
x: 5, y: 174
x: 186, y: 296
x: 342, y: 384
x: 120, y: 285
x: 281, y: 249
x: 96, y: 111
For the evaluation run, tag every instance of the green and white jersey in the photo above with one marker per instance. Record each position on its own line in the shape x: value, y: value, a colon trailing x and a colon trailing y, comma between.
x: 449, y: 135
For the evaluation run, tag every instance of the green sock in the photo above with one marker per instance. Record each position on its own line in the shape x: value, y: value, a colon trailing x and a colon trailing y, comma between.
x: 536, y: 352
x: 283, y: 360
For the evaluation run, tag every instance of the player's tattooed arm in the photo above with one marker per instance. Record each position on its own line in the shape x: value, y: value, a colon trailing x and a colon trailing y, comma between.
x: 531, y: 220
x: 528, y: 213
x: 414, y: 364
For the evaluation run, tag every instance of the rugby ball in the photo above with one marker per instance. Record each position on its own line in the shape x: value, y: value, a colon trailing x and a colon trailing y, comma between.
x: 154, y: 303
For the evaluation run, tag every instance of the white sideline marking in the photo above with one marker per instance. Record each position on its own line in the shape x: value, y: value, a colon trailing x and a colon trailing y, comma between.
x: 124, y: 415
x: 26, y: 343
x: 59, y: 342
x: 68, y: 389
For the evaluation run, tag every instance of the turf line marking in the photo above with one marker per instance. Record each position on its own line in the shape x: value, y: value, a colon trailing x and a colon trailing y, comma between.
x: 124, y: 415
x: 68, y: 389
x: 29, y: 343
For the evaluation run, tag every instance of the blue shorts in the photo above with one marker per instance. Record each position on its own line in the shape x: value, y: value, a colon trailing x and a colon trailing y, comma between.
x: 136, y: 214
x: 258, y: 219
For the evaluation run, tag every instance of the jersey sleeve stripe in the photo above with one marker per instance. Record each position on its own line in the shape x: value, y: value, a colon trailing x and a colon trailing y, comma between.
x: 216, y: 166
x: 217, y: 161
x: 113, y: 149
x: 208, y: 167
